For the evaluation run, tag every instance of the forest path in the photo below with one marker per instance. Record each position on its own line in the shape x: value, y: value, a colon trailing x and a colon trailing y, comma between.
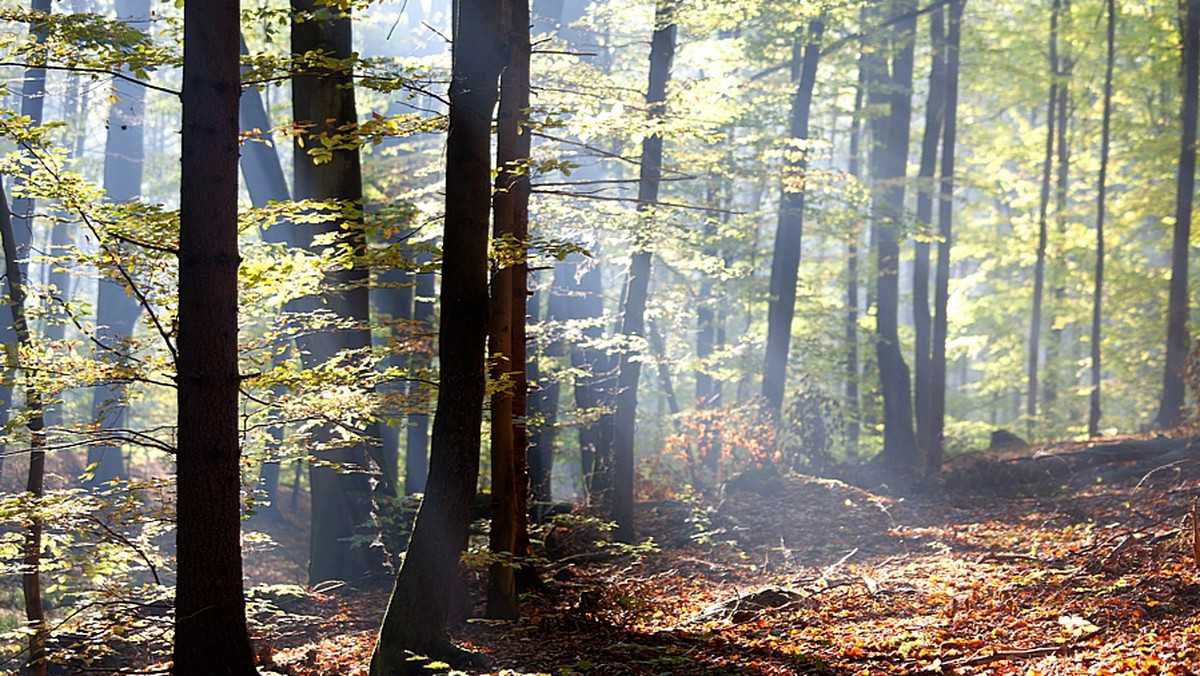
x: 823, y: 577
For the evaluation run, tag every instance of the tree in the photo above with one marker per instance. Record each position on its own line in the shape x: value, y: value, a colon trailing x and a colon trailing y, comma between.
x: 31, y: 585
x: 889, y: 159
x: 117, y: 310
x: 1102, y: 181
x: 785, y: 258
x: 510, y: 476
x: 323, y: 101
x: 210, y: 607
x: 1170, y: 409
x: 616, y: 466
x: 1039, y: 270
x: 417, y: 612
x: 934, y: 113
x: 941, y: 293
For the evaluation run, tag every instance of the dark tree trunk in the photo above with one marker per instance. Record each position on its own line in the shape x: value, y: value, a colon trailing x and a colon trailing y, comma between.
x: 117, y: 310
x: 1039, y: 270
x: 31, y: 575
x: 785, y: 260
x: 210, y: 608
x: 922, y: 322
x: 341, y: 501
x: 1170, y: 409
x: 417, y: 613
x: 510, y: 206
x: 616, y: 494
x: 1102, y: 181
x: 941, y: 294
x: 891, y: 156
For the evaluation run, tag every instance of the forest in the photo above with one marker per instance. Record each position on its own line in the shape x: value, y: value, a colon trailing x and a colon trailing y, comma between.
x: 599, y: 337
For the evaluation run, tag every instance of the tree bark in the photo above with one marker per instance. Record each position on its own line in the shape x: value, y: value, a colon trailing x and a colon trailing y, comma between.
x: 510, y: 205
x: 419, y: 607
x: 891, y: 153
x: 937, y: 370
x: 1170, y: 410
x: 210, y: 608
x: 785, y: 260
x: 853, y: 399
x: 922, y: 317
x: 341, y: 500
x: 31, y: 576
x: 637, y: 284
x: 1039, y: 270
x: 1101, y: 188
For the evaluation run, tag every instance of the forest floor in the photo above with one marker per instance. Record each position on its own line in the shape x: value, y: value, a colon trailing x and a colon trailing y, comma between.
x: 815, y: 576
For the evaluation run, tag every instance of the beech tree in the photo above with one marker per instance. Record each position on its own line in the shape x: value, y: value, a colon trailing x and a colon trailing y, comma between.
x: 323, y: 101
x: 210, y: 607
x: 889, y: 155
x: 1094, y: 409
x: 417, y: 612
x: 1170, y: 408
x: 785, y: 257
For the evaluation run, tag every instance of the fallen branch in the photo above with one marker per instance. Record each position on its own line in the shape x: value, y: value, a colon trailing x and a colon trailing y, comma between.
x: 1024, y: 654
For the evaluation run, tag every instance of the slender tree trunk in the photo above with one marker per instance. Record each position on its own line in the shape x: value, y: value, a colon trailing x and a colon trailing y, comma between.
x: 510, y: 206
x: 619, y: 500
x: 263, y: 175
x: 33, y: 98
x: 416, y: 442
x: 853, y: 399
x: 785, y: 261
x: 544, y: 398
x: 1053, y: 371
x: 117, y: 310
x: 937, y: 370
x: 892, y: 140
x: 341, y: 500
x: 1170, y: 410
x: 419, y: 607
x: 934, y: 113
x: 31, y: 576
x: 1102, y: 181
x: 1039, y: 270
x: 210, y: 608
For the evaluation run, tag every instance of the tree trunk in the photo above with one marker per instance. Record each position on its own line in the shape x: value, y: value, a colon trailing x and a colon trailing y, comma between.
x: 117, y: 310
x: 416, y: 442
x: 941, y: 293
x: 922, y: 322
x: 341, y: 500
x: 853, y: 399
x: 1170, y: 410
x: 33, y: 98
x: 1039, y: 270
x: 31, y: 576
x: 263, y: 175
x: 544, y: 399
x: 506, y: 347
x: 891, y: 155
x: 210, y: 608
x: 785, y: 261
x: 1102, y: 181
x: 619, y: 500
x: 1053, y: 371
x: 419, y: 607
